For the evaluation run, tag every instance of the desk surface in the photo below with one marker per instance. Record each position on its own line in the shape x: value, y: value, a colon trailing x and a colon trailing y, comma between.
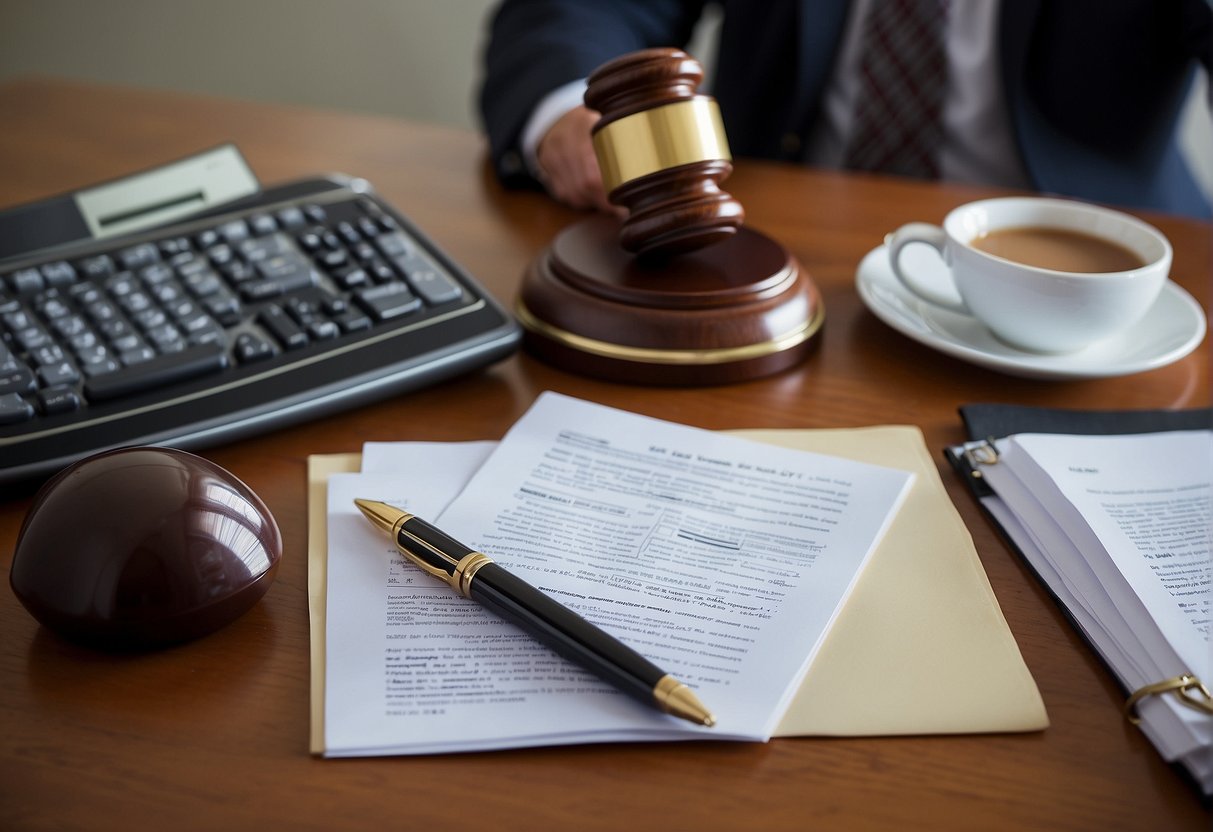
x: 213, y: 734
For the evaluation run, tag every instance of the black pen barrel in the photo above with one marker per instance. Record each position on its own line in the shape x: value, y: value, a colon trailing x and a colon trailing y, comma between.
x: 565, y: 632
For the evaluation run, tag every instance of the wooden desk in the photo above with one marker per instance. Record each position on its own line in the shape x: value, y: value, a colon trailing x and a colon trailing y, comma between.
x: 213, y: 734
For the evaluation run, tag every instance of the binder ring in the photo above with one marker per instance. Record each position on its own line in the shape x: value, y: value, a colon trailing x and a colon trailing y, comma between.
x: 983, y: 452
x: 1181, y: 686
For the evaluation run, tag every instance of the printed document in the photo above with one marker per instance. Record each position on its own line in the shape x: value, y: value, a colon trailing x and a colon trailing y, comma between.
x: 1119, y: 528
x: 723, y: 561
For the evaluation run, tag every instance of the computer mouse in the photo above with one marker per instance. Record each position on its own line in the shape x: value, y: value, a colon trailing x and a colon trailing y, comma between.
x: 143, y: 547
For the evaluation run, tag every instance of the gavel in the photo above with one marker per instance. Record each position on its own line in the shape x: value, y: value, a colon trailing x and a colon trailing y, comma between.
x: 663, y: 153
x: 679, y: 292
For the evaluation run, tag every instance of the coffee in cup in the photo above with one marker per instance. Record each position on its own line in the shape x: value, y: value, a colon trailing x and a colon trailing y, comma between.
x: 1044, y: 275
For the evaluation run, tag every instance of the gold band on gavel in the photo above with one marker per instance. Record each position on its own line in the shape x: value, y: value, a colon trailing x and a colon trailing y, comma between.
x: 663, y: 137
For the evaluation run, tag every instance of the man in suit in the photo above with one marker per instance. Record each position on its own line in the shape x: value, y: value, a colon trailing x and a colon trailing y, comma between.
x: 1075, y: 97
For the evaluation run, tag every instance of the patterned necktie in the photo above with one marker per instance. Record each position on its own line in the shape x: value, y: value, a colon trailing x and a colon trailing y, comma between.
x: 903, y: 77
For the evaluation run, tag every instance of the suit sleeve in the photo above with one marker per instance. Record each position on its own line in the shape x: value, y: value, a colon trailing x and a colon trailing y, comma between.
x: 535, y: 46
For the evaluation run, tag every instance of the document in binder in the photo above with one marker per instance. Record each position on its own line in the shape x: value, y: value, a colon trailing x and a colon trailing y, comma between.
x: 1112, y: 511
x: 901, y: 620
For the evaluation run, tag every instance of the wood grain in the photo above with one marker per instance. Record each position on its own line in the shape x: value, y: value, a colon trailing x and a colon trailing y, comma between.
x: 213, y: 734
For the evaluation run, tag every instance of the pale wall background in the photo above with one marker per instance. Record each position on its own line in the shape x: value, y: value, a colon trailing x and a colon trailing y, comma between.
x: 416, y: 59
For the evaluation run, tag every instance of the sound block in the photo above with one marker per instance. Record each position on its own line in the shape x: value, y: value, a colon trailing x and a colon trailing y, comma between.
x: 738, y: 309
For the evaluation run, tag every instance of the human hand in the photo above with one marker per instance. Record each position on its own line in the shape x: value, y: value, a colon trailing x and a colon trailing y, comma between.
x: 567, y: 164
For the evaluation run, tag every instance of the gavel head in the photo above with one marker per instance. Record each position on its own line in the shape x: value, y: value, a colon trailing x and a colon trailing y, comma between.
x: 663, y: 153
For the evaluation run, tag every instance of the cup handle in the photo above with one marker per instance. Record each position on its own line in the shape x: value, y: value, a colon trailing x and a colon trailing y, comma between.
x: 932, y: 235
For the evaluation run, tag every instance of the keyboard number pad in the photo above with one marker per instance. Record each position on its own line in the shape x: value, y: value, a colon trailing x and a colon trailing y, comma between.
x: 241, y: 292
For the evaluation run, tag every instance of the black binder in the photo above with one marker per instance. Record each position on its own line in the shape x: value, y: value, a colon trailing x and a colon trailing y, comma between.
x: 987, y: 422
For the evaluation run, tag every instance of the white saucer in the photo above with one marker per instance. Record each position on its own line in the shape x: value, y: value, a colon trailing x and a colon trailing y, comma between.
x: 1172, y: 328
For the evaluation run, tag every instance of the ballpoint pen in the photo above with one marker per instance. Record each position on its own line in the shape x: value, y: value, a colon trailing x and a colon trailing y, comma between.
x: 476, y: 576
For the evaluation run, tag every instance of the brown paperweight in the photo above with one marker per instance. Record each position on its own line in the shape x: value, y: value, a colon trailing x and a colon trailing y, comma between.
x: 680, y: 291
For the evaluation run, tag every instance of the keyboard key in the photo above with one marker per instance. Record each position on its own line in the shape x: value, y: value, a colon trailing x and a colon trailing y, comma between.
x: 203, y: 284
x: 157, y: 274
x: 334, y: 259
x: 16, y: 380
x: 136, y: 355
x: 128, y: 341
x: 59, y: 273
x: 122, y: 284
x: 311, y: 240
x: 26, y: 281
x: 136, y: 257
x: 220, y: 254
x: 14, y: 409
x: 166, y: 338
x: 368, y: 227
x: 250, y: 348
x: 205, y: 239
x: 262, y: 224
x: 150, y: 318
x: 97, y: 267
x: 54, y: 375
x: 261, y: 248
x: 31, y: 338
x: 323, y: 330
x: 157, y: 372
x: 225, y: 309
x: 99, y: 367
x: 391, y: 300
x: 284, y: 330
x: 351, y: 278
x: 394, y: 245
x: 46, y: 355
x: 434, y: 287
x: 291, y: 217
x: 92, y: 354
x: 237, y: 271
x: 55, y: 400
x: 174, y: 246
x: 17, y: 319
x: 71, y: 326
x: 382, y: 273
x: 234, y: 231
x: 351, y: 320
x: 212, y: 333
x: 292, y: 270
x: 53, y: 308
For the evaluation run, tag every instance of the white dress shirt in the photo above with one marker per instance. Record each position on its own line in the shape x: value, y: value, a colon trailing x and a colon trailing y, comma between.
x: 978, y: 145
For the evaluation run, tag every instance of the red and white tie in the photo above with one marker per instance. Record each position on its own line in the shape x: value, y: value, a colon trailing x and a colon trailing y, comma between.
x: 898, y: 124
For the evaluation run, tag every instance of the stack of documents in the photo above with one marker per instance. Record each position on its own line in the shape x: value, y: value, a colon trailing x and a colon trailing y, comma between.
x: 725, y: 561
x: 1118, y: 527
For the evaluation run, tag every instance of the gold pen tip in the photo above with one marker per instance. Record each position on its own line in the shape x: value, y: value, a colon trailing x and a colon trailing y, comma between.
x: 676, y: 699
x: 381, y: 514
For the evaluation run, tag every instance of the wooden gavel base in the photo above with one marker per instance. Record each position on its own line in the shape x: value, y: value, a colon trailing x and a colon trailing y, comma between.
x: 739, y: 309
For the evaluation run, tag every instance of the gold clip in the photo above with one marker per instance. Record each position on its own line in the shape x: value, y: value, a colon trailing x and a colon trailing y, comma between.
x: 1181, y: 686
x: 980, y: 453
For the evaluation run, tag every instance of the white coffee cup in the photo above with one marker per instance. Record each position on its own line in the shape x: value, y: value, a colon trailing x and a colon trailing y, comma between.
x: 1032, y: 308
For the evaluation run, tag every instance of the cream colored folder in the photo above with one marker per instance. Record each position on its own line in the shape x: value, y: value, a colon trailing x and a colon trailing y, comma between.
x: 921, y: 646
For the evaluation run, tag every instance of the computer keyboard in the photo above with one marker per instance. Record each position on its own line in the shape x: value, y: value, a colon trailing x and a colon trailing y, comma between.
x: 301, y: 301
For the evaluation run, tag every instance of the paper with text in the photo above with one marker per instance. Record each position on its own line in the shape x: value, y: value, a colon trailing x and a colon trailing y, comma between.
x: 1147, y: 501
x: 1119, y: 527
x: 724, y: 561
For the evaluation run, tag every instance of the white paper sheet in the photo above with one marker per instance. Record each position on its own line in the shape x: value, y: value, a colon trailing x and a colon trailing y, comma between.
x: 724, y: 561
x: 1119, y: 527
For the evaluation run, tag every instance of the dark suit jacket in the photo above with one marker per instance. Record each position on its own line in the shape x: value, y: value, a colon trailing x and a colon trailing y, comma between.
x: 1094, y: 87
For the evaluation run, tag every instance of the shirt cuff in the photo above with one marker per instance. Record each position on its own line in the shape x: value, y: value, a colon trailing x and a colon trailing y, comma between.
x: 549, y: 110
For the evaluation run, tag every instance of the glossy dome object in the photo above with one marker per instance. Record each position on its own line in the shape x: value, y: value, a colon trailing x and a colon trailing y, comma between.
x: 144, y: 546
